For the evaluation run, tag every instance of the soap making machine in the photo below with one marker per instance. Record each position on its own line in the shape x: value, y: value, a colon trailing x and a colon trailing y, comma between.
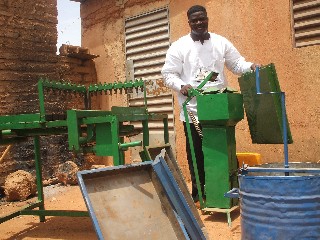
x: 89, y: 131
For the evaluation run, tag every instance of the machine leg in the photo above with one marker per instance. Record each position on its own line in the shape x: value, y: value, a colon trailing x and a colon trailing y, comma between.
x: 229, y: 218
x: 39, y: 175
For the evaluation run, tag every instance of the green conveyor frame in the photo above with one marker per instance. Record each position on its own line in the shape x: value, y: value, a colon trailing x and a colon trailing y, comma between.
x: 95, y: 131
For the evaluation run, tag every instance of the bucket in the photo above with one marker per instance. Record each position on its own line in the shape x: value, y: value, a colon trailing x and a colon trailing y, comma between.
x: 276, y: 206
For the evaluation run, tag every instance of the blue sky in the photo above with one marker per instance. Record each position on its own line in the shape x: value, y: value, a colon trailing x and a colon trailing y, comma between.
x: 69, y: 23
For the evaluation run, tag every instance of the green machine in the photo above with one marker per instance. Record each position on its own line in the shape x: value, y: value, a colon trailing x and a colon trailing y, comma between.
x: 263, y: 97
x: 218, y: 113
x: 89, y: 131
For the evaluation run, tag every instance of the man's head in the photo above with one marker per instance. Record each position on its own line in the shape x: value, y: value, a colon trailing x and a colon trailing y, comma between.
x: 198, y: 20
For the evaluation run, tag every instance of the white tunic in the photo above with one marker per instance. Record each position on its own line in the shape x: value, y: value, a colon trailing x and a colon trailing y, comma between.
x: 187, y: 59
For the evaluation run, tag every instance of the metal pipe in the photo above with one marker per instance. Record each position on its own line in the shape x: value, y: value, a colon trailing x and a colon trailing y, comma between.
x: 123, y: 146
x: 258, y: 79
x: 38, y: 166
x: 6, y: 132
x: 285, y: 131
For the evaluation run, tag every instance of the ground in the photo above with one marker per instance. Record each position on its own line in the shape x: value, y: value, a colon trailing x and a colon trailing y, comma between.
x: 78, y: 228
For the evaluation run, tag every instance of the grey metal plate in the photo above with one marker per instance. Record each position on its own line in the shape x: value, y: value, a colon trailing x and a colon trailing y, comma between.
x: 176, y: 172
x: 128, y: 202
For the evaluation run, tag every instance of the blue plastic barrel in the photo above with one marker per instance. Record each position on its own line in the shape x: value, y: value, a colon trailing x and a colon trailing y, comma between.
x: 278, y: 207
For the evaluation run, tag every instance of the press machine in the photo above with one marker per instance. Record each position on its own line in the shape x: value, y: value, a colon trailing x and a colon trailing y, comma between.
x: 218, y: 113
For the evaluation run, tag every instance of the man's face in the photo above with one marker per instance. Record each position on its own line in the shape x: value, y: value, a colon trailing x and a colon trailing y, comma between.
x: 198, y: 23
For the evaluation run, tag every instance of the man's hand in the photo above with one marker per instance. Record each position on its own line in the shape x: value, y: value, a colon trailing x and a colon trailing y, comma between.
x: 254, y: 65
x: 184, y: 89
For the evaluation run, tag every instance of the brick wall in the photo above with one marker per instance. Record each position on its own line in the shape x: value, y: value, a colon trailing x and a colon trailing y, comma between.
x: 28, y: 40
x: 28, y: 51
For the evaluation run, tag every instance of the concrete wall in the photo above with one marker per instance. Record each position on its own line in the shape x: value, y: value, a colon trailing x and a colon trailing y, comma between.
x: 261, y: 30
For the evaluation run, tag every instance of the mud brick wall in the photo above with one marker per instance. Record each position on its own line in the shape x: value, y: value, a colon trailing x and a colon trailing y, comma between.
x: 28, y: 51
x: 77, y: 68
x: 28, y: 40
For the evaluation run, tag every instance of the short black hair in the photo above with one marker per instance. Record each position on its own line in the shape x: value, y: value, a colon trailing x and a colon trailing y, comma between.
x: 196, y: 8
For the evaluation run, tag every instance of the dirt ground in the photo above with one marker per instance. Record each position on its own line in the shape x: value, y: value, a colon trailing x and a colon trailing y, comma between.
x: 58, y: 197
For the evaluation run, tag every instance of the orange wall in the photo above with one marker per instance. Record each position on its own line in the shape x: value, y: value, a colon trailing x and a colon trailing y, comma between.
x: 261, y: 30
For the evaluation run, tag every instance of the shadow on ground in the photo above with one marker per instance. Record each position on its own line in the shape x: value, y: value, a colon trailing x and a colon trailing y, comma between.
x: 58, y: 228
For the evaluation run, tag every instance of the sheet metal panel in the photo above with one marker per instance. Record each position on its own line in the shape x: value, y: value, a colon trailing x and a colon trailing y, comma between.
x: 129, y: 202
x: 263, y: 110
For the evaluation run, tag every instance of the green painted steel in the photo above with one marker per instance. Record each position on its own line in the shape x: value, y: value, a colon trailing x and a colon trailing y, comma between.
x: 218, y: 112
x: 39, y: 175
x: 89, y: 131
x: 7, y: 217
x: 193, y: 93
x: 65, y: 213
x: 218, y: 115
x: 114, y: 87
x: 21, y: 118
x: 130, y: 144
x: 258, y: 106
x: 224, y: 109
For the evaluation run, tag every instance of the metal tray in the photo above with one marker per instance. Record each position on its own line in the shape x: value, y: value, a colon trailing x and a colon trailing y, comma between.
x: 131, y: 202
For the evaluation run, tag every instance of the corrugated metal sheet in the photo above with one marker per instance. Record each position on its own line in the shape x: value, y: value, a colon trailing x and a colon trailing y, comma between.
x: 147, y: 41
x: 306, y: 22
x: 156, y: 104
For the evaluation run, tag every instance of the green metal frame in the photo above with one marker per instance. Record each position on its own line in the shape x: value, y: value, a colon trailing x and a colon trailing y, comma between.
x: 218, y: 113
x: 95, y: 131
x: 262, y: 98
x: 193, y: 93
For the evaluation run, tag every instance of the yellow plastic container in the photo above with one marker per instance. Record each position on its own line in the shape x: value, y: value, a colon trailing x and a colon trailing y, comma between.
x: 251, y: 159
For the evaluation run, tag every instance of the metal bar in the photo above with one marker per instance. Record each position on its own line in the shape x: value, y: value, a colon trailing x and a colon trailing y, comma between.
x: 91, y: 113
x: 290, y: 170
x: 121, y: 151
x: 145, y: 130
x: 22, y: 125
x: 74, y: 131
x: 86, y: 198
x: 165, y: 130
x: 65, y: 213
x: 193, y: 156
x: 117, y: 157
x: 145, y: 123
x: 87, y: 101
x: 285, y: 132
x: 7, y: 141
x: 129, y: 144
x: 17, y: 213
x: 258, y: 79
x: 177, y: 199
x: 157, y: 116
x: 64, y: 86
x: 39, y: 174
x: 95, y: 120
x: 40, y: 131
x: 206, y: 80
x: 41, y: 101
x: 6, y: 132
x: 194, y: 160
x: 185, y: 233
x: 21, y: 118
